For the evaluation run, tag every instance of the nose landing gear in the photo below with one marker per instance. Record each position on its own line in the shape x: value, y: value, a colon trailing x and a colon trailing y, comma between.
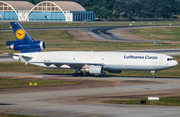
x: 153, y: 73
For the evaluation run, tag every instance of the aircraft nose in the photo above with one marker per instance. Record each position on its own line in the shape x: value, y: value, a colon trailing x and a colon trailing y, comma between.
x: 175, y: 63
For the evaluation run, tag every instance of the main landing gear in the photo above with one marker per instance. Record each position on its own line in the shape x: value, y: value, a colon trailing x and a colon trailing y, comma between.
x: 80, y: 74
x: 153, y: 73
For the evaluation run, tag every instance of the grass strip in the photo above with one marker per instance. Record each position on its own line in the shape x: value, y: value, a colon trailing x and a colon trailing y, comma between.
x: 163, y: 101
x: 15, y: 115
x: 22, y: 83
x: 159, y: 33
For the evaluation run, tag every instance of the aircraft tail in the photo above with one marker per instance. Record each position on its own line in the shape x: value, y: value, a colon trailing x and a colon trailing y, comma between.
x: 24, y: 42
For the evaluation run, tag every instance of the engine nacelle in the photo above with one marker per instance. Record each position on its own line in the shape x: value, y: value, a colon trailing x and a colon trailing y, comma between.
x: 114, y: 71
x: 93, y: 69
x: 30, y: 46
x: 96, y: 69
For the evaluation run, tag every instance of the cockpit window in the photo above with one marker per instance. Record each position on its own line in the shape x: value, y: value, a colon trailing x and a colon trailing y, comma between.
x: 169, y: 59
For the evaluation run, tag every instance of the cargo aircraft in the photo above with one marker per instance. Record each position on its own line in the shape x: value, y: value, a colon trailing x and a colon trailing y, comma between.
x: 90, y: 62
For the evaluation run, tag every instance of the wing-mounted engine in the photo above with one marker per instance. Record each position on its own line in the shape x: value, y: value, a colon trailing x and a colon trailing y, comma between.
x: 93, y: 69
x: 28, y: 47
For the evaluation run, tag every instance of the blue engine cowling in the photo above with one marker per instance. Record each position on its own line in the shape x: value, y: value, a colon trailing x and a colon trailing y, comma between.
x: 35, y: 46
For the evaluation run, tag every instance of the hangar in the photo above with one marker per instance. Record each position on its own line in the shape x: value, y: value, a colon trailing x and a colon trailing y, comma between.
x: 14, y: 10
x: 44, y: 11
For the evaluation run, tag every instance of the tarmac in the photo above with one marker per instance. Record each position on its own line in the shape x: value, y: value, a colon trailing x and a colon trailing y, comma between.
x: 85, y: 99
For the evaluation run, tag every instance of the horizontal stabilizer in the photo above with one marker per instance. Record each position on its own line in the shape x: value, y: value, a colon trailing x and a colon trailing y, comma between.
x: 22, y: 58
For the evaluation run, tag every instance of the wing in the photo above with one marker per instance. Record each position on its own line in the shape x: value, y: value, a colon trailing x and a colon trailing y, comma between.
x: 71, y: 64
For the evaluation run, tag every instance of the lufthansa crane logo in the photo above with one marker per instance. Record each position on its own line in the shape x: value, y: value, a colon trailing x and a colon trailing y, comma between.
x: 20, y: 34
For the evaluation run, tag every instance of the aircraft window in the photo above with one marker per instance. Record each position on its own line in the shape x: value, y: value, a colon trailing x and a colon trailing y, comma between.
x: 169, y: 59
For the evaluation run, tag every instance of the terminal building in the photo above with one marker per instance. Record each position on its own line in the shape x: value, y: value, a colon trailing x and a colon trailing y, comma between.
x: 44, y: 11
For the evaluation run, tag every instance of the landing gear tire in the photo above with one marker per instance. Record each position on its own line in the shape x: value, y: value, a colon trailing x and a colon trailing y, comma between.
x: 78, y: 74
x: 81, y: 74
x: 74, y: 74
x: 153, y: 74
x: 87, y: 74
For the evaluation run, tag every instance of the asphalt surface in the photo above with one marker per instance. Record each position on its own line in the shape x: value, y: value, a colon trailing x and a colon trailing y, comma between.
x: 85, y: 100
x: 6, y: 58
x: 108, y: 33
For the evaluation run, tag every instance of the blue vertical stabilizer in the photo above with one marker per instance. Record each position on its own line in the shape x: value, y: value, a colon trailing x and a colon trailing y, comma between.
x: 20, y: 33
x: 24, y: 42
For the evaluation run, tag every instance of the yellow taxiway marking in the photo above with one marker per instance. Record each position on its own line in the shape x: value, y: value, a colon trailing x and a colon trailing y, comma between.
x: 87, y: 35
x: 175, y: 82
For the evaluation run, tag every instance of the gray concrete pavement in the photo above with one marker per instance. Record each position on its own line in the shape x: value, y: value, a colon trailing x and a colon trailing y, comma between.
x: 6, y: 58
x: 107, y: 110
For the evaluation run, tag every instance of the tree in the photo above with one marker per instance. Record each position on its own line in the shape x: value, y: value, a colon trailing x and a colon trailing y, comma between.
x: 128, y: 8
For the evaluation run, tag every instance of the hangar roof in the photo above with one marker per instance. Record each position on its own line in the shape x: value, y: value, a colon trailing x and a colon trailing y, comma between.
x: 64, y: 5
x: 69, y: 6
x: 20, y: 5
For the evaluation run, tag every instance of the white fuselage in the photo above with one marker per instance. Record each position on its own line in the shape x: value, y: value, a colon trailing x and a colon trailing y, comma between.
x: 109, y: 60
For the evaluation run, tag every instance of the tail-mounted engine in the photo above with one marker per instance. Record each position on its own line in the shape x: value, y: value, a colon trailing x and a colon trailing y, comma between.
x: 35, y: 46
x: 24, y: 42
